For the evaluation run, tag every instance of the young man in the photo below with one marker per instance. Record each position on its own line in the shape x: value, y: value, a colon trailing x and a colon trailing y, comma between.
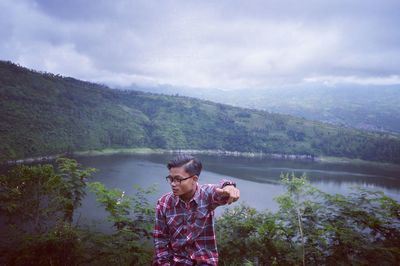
x: 184, y: 229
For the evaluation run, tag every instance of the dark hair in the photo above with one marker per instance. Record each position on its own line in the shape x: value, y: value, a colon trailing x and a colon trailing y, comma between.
x: 191, y: 164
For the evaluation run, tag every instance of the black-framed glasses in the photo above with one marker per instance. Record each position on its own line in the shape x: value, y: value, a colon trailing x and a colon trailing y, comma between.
x: 177, y: 179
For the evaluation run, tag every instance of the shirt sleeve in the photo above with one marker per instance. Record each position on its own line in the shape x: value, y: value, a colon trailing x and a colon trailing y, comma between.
x: 218, y: 199
x: 161, y: 238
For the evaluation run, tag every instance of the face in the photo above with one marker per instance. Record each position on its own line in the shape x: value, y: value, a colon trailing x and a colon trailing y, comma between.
x: 186, y: 187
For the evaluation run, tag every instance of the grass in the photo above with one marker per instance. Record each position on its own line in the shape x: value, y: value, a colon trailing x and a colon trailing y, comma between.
x: 343, y: 160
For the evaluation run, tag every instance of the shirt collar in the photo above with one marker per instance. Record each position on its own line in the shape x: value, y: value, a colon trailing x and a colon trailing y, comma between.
x: 196, y: 196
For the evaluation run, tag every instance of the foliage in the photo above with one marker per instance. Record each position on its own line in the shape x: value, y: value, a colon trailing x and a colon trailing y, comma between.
x: 74, y: 185
x: 59, y: 245
x: 133, y: 218
x: 38, y: 206
x: 37, y: 195
x: 247, y: 236
x: 371, y: 107
x: 313, y: 228
x: 42, y: 114
x: 30, y: 197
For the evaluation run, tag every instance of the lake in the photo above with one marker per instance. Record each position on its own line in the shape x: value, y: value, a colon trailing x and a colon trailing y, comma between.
x: 257, y: 178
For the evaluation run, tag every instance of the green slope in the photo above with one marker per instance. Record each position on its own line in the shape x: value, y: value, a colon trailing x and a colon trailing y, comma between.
x: 370, y: 107
x: 42, y: 114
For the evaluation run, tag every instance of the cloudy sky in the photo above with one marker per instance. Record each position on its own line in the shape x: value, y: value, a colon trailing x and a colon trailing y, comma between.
x: 206, y: 44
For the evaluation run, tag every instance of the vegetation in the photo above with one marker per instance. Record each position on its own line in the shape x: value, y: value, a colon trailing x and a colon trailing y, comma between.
x: 310, y: 228
x: 369, y: 107
x: 42, y: 114
x: 313, y: 228
x: 38, y: 206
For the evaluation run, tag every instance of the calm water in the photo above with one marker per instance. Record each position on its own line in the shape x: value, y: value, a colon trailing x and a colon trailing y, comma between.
x: 258, y: 179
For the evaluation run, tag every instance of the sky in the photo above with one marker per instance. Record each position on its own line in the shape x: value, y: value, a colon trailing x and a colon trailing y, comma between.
x: 206, y: 44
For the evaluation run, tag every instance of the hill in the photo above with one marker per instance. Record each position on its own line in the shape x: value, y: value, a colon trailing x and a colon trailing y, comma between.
x: 43, y: 113
x: 369, y: 107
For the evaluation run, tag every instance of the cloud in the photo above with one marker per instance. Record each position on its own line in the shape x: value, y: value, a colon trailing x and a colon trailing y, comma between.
x: 210, y: 44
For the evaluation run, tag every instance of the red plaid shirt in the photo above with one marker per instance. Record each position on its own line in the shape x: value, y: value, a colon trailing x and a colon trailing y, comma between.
x: 184, y: 232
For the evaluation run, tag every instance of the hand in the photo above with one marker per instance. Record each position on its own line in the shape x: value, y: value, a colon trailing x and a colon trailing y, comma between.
x: 230, y: 191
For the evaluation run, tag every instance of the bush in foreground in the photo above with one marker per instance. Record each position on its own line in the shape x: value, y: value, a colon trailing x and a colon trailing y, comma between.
x: 313, y: 228
x: 310, y: 227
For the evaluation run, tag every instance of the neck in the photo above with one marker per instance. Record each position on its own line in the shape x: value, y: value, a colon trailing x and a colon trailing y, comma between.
x: 189, y: 195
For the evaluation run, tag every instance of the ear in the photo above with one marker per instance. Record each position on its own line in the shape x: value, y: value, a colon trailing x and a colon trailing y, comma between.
x: 196, y: 178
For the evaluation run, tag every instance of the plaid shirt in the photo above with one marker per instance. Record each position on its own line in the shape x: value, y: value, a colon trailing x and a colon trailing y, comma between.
x: 184, y: 232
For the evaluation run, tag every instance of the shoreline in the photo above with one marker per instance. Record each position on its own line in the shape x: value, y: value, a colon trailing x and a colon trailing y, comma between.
x: 127, y: 151
x: 194, y: 151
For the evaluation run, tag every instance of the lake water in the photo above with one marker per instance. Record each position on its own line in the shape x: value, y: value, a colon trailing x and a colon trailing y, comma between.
x: 258, y: 179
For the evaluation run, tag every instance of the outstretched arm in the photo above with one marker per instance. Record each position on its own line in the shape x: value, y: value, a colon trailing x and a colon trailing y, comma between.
x: 222, y: 195
x: 230, y: 192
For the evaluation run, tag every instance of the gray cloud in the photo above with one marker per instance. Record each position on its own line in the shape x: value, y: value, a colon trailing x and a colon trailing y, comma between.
x: 212, y: 44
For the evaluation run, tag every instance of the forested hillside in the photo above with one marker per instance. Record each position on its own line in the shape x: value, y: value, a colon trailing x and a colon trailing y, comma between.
x: 369, y: 107
x: 42, y: 113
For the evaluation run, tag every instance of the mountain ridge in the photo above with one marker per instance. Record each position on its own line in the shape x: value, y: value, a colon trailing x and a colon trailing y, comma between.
x: 367, y: 107
x: 43, y: 113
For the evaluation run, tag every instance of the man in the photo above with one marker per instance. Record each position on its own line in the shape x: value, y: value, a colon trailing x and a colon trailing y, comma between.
x: 184, y: 229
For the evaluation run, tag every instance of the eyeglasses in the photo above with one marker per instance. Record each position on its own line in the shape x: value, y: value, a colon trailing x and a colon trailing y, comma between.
x: 177, y: 179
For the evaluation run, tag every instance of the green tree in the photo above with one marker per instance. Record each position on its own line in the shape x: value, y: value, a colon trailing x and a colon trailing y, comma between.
x: 74, y: 185
x: 30, y: 197
x: 38, y: 204
x: 133, y: 219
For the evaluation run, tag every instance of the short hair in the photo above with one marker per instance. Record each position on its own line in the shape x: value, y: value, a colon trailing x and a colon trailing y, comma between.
x: 191, y: 164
